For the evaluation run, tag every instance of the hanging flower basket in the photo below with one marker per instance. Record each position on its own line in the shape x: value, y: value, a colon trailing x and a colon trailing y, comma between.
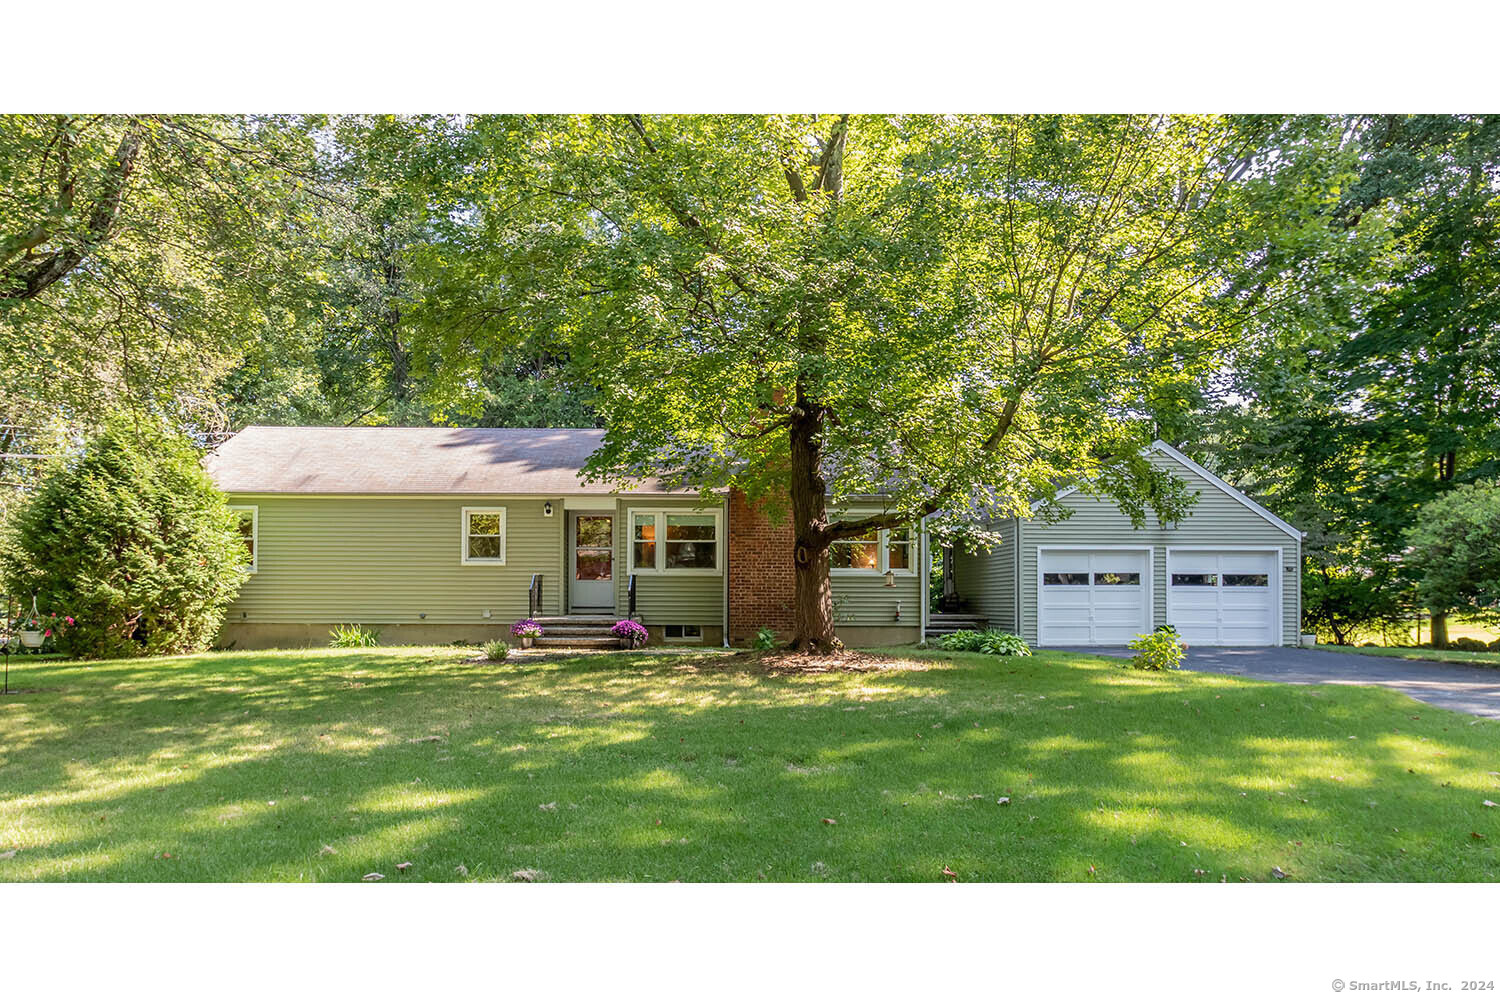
x: 31, y: 629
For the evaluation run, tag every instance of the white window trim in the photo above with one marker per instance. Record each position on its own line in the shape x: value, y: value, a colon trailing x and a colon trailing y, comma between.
x: 661, y: 540
x: 882, y: 558
x: 463, y: 534
x: 254, y: 511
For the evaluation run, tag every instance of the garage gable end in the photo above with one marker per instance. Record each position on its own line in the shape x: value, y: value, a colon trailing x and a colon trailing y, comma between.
x: 1227, y: 573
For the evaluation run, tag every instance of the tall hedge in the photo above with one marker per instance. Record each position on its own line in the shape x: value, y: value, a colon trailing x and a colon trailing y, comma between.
x: 132, y: 540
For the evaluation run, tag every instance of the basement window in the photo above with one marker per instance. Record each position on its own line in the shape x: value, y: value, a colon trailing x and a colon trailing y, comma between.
x: 683, y: 631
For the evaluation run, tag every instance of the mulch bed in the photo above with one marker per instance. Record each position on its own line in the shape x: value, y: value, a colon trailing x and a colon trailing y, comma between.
x: 796, y: 662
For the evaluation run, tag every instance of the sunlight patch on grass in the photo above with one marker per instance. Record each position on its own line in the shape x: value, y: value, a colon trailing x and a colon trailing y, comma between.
x: 837, y: 776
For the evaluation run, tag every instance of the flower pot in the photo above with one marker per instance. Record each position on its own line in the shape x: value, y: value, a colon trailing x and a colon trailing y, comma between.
x: 626, y: 644
x: 32, y: 639
x: 1309, y: 640
x: 527, y: 641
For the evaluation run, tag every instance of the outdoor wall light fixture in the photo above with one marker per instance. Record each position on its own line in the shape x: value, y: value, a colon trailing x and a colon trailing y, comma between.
x: 890, y: 579
x: 546, y: 508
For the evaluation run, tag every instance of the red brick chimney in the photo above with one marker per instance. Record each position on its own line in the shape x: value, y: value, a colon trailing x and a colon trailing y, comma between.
x: 760, y: 571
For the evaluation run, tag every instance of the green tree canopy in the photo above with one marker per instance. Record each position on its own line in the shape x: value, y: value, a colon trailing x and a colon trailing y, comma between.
x: 1455, y: 552
x: 140, y: 253
x: 955, y: 311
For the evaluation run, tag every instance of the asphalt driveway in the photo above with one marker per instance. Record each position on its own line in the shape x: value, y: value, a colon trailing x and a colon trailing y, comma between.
x: 1454, y: 687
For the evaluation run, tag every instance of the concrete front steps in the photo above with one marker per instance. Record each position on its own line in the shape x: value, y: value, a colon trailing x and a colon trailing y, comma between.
x: 947, y: 623
x: 578, y: 631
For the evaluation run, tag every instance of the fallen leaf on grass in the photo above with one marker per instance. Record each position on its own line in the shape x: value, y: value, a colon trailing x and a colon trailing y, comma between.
x: 952, y: 876
x: 547, y: 806
x: 328, y: 850
x: 424, y: 740
x: 373, y: 877
x: 1003, y: 800
x: 1476, y: 835
x: 1276, y: 871
x: 402, y: 866
x: 462, y: 870
x: 525, y: 875
x: 829, y: 820
x: 1489, y: 803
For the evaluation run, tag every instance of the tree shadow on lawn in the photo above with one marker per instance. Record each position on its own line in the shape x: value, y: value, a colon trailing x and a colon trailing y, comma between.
x: 652, y: 768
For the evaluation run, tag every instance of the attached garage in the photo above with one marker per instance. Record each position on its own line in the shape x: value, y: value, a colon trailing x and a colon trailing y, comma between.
x: 1224, y: 597
x: 1093, y: 596
x: 1083, y: 573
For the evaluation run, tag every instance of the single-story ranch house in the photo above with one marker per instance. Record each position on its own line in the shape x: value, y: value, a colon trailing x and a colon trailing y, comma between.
x: 436, y: 535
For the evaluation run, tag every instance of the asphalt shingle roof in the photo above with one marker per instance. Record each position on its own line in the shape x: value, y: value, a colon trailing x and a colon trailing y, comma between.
x: 386, y: 460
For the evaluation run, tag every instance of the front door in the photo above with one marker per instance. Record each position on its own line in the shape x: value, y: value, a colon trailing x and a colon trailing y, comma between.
x: 592, y: 542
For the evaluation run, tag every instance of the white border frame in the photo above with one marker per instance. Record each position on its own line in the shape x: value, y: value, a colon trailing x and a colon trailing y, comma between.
x: 254, y: 511
x: 661, y: 513
x: 1149, y: 584
x: 1277, y: 593
x: 463, y: 535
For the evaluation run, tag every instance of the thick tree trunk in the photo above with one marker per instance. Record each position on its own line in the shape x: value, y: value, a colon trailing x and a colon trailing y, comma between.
x: 812, y: 597
x: 1439, y: 629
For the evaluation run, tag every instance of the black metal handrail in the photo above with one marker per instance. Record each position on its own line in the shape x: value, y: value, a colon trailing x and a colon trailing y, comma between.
x: 534, y: 596
x: 630, y: 595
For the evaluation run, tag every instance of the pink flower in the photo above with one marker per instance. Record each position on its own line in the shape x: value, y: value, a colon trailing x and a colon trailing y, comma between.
x: 47, y: 632
x: 69, y: 619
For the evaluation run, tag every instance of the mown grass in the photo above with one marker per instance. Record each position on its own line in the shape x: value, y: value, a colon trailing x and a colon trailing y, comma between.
x: 331, y: 764
x: 1485, y: 659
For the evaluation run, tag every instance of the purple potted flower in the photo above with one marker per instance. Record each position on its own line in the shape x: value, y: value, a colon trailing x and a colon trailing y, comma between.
x: 631, y: 634
x: 527, y: 630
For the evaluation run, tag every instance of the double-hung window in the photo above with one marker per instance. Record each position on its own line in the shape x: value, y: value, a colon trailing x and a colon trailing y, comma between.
x: 248, y: 524
x: 856, y: 553
x: 483, y: 535
x: 875, y: 552
x: 671, y: 542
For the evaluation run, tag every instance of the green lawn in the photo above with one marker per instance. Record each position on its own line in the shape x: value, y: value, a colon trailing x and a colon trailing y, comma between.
x: 1487, y: 659
x: 327, y: 765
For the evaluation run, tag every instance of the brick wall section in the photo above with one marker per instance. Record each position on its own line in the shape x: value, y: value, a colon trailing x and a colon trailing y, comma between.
x: 760, y: 571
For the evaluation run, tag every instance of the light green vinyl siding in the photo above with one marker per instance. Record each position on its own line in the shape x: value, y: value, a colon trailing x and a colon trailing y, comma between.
x: 1215, y: 519
x: 986, y: 577
x: 662, y: 599
x: 862, y: 598
x: 865, y: 600
x: 387, y: 560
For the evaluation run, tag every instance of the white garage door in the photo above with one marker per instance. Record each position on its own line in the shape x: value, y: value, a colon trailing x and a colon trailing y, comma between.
x: 1223, y: 597
x: 1092, y: 597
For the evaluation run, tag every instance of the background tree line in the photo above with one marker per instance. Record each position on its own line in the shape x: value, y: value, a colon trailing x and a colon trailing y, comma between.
x: 1308, y: 305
